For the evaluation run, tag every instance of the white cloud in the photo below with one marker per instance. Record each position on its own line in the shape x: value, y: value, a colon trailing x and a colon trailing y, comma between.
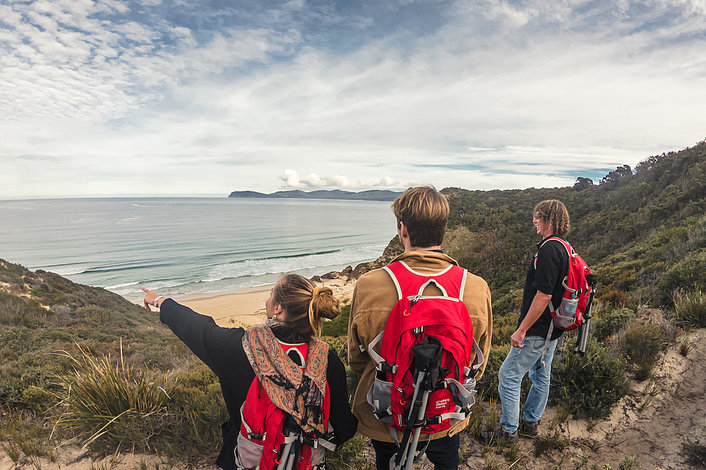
x: 291, y: 179
x: 503, y: 94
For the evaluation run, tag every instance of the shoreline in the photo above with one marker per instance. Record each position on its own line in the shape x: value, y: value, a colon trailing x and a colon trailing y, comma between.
x: 246, y: 306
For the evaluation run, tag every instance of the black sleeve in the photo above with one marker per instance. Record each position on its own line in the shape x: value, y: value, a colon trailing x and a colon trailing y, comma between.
x: 221, y: 349
x: 341, y: 418
x: 549, y: 265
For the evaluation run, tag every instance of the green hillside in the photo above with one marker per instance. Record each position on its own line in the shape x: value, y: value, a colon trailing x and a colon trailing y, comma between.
x: 81, y: 362
x: 643, y: 231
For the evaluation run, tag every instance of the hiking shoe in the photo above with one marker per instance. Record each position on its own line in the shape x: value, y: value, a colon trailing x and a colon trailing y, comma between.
x: 498, y: 435
x: 529, y: 429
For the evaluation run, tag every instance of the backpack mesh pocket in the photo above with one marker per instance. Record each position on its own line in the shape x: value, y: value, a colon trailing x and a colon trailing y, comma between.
x: 247, y: 453
x: 379, y: 397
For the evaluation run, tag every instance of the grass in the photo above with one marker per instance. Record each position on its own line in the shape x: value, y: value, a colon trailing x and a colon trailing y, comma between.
x: 551, y: 440
x: 118, y: 401
x: 25, y: 434
x: 695, y: 452
x: 642, y: 344
x: 349, y: 456
x: 108, y: 403
x: 690, y: 309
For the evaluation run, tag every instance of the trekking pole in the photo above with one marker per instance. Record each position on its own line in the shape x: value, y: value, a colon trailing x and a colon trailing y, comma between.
x: 582, y: 339
x: 289, y: 453
x: 417, y: 431
x: 283, y: 463
x: 400, y: 458
x: 427, y: 362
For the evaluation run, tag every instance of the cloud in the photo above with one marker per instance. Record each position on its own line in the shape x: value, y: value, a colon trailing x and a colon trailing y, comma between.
x: 487, y: 94
x: 291, y: 179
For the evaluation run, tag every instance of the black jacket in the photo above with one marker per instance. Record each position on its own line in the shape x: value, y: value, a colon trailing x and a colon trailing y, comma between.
x: 221, y: 349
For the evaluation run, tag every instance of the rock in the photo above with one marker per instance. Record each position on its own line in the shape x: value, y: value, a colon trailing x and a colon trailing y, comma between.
x: 346, y: 273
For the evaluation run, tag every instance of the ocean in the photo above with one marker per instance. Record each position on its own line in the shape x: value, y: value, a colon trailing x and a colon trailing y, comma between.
x: 182, y: 246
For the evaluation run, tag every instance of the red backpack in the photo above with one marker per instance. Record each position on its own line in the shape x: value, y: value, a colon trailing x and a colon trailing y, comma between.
x: 569, y: 315
x: 577, y: 290
x: 425, y: 355
x: 268, y: 435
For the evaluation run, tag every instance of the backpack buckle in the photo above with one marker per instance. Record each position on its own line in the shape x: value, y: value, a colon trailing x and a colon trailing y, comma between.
x: 432, y: 420
x: 386, y: 368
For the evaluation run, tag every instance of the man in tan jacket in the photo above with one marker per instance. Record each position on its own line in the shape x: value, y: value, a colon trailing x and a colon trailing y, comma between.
x: 422, y: 214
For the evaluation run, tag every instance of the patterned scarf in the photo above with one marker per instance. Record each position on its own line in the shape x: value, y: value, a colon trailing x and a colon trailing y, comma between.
x: 299, y: 393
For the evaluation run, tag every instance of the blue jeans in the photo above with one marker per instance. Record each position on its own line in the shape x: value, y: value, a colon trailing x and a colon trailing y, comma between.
x: 517, y: 363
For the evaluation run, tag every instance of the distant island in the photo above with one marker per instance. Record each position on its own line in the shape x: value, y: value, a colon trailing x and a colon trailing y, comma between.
x: 370, y: 195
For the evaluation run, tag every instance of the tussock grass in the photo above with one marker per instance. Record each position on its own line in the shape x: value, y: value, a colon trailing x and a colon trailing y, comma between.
x: 641, y: 343
x: 115, y: 400
x: 690, y: 309
x: 109, y: 403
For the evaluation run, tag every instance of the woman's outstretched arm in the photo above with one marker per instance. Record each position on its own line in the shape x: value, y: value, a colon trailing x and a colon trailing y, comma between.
x: 219, y: 348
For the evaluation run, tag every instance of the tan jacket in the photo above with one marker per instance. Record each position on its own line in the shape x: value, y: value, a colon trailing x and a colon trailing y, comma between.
x: 373, y: 298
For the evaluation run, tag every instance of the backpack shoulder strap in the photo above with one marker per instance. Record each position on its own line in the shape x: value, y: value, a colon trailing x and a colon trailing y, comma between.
x: 565, y: 244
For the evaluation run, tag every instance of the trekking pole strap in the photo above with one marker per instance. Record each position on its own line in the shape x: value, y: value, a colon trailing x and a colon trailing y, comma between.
x: 379, y: 361
x: 546, y: 341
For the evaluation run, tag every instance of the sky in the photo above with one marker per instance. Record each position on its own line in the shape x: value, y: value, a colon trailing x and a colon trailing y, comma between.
x: 199, y: 98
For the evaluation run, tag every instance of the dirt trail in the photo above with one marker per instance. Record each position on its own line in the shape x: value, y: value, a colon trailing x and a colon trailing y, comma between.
x: 651, y: 423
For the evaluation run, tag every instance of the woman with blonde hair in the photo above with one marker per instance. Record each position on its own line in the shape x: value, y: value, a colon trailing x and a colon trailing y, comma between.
x: 282, y: 357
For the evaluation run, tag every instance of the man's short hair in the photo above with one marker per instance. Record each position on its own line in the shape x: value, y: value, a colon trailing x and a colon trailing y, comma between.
x: 555, y: 214
x: 424, y: 211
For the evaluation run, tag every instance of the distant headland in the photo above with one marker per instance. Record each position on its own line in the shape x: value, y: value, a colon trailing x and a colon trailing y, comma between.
x: 370, y: 195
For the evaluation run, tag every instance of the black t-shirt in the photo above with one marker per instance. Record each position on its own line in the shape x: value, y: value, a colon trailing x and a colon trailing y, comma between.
x: 552, y: 266
x: 221, y: 349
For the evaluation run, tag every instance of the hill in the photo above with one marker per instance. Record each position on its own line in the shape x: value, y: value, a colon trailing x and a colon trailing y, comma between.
x: 370, y: 195
x: 643, y: 231
x: 79, y: 362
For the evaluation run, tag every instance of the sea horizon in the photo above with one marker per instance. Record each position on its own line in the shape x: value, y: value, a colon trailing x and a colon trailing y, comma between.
x: 190, y: 246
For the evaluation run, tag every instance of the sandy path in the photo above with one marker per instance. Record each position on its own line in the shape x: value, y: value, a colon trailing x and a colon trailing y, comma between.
x: 650, y: 423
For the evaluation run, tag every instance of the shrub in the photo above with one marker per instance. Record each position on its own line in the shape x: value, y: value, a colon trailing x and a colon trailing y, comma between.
x: 690, y: 309
x: 339, y: 345
x: 504, y: 327
x: 641, y: 343
x: 629, y: 463
x: 349, y: 456
x: 488, y: 384
x: 689, y: 273
x: 611, y: 322
x: 590, y: 385
x: 339, y: 325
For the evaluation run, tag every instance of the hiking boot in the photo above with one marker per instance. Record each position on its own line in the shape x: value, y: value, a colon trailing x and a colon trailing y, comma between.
x: 498, y: 435
x: 529, y: 429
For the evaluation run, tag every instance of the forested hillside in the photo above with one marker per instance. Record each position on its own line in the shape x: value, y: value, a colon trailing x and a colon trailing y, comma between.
x: 642, y: 230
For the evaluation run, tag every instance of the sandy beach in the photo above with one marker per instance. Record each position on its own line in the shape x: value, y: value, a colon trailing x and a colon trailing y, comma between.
x: 247, y: 308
